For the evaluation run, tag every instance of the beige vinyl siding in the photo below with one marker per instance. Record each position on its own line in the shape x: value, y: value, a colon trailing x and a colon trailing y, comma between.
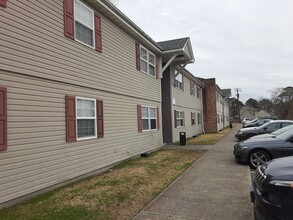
x: 38, y: 155
x: 188, y: 128
x: 188, y: 103
x: 183, y: 98
x: 33, y: 43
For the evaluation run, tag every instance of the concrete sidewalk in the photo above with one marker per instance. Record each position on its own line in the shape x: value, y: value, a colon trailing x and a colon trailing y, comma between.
x: 215, y: 187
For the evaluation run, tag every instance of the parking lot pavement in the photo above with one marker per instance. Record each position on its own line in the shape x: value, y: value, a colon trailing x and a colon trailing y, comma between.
x: 215, y: 187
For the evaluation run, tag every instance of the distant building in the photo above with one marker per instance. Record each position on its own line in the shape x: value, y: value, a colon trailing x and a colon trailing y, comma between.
x: 215, y: 106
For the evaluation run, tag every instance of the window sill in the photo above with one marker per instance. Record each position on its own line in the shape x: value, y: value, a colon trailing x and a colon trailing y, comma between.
x: 149, y: 130
x: 86, y: 138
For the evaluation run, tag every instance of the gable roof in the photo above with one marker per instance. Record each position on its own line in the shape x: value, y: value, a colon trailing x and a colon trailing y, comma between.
x: 173, y: 44
x: 178, y: 50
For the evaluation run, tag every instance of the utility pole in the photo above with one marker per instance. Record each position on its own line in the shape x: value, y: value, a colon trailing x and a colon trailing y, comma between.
x: 237, y: 90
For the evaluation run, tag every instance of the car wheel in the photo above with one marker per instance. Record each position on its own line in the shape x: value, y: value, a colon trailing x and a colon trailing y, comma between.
x: 258, y: 157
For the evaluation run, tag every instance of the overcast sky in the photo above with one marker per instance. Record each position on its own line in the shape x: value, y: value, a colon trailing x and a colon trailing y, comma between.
x: 245, y: 44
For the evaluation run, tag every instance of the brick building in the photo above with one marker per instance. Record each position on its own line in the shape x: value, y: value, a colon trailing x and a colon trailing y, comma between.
x: 215, y: 107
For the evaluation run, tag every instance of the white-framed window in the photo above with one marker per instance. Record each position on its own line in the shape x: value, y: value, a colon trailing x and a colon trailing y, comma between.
x: 180, y: 118
x: 147, y: 61
x: 198, y: 92
x: 149, y: 118
x: 193, y: 118
x: 86, y: 118
x: 84, y: 24
x: 192, y: 88
x: 198, y: 118
x: 178, y: 80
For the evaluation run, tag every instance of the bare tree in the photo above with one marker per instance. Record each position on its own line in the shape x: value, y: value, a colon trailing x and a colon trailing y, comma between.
x: 282, y: 98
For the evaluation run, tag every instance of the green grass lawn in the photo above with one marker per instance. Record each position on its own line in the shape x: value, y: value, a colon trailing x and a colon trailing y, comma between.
x: 117, y: 194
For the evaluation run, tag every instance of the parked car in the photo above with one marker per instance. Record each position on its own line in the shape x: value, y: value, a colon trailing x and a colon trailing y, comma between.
x: 275, y: 133
x: 271, y: 191
x: 269, y: 127
x: 255, y: 152
x: 258, y: 123
x: 246, y: 120
x: 252, y: 120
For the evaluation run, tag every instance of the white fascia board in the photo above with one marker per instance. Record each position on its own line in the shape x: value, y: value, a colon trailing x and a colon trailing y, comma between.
x: 188, y: 47
x: 130, y: 24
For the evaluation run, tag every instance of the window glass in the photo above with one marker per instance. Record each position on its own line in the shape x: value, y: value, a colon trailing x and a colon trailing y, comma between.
x: 151, y: 58
x: 83, y: 14
x: 192, y: 88
x: 86, y: 118
x: 85, y: 108
x: 179, y: 77
x: 83, y: 34
x: 145, y: 111
x: 285, y: 124
x: 151, y: 70
x: 143, y: 54
x: 145, y: 124
x: 84, y: 23
x: 178, y: 81
x: 273, y: 126
x: 147, y: 62
x: 152, y: 112
x: 153, y: 123
x: 144, y: 66
x: 85, y: 127
x: 149, y: 118
x: 180, y: 118
x: 192, y: 118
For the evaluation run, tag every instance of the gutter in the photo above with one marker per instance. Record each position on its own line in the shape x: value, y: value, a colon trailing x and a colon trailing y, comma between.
x: 125, y: 20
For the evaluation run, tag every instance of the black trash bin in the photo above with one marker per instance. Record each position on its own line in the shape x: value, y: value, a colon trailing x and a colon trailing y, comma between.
x: 182, y: 138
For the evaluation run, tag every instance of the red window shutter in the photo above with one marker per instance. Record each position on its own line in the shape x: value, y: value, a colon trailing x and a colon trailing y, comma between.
x: 3, y: 3
x: 139, y: 119
x: 137, y: 54
x: 157, y: 67
x: 70, y: 119
x: 98, y: 33
x: 68, y: 10
x: 3, y: 119
x: 175, y: 121
x: 158, y: 118
x: 100, y: 119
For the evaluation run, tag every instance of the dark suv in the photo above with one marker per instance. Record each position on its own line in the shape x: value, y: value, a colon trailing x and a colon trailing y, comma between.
x: 272, y: 190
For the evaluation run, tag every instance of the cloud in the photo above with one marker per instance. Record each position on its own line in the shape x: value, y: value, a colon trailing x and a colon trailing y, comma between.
x: 245, y: 44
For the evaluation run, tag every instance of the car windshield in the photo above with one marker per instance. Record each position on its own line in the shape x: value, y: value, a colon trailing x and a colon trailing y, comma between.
x: 285, y: 135
x: 282, y: 130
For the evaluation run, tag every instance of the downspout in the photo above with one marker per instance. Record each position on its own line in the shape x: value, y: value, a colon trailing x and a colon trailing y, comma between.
x: 202, y: 119
x: 223, y: 113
